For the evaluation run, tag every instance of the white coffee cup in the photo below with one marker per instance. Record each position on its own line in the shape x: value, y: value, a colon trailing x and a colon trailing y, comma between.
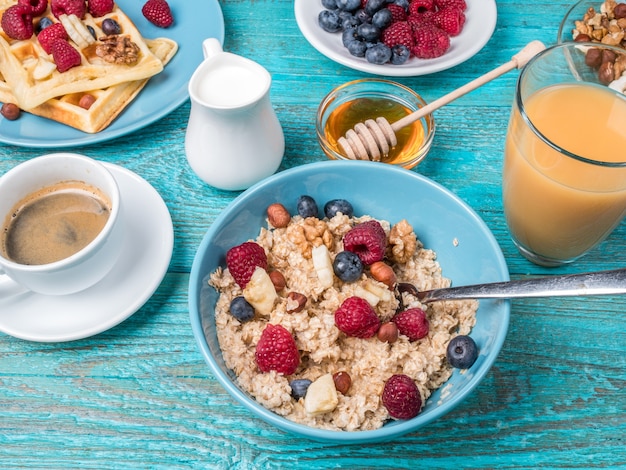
x: 87, y: 266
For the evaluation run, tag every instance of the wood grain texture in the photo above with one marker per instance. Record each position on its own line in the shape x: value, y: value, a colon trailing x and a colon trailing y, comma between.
x: 140, y: 395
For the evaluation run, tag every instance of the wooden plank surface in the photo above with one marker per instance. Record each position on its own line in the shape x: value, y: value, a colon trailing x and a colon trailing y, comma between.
x: 140, y: 395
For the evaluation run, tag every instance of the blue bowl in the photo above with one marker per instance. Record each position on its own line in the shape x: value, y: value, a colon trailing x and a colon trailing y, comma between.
x: 466, y: 250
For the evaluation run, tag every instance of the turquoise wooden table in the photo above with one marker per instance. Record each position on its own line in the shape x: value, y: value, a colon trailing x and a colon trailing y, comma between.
x: 140, y: 395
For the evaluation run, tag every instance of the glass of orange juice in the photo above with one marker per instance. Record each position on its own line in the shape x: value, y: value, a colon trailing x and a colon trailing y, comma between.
x: 564, y: 175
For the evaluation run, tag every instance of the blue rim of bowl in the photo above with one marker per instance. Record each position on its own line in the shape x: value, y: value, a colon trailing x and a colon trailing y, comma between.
x: 385, y: 433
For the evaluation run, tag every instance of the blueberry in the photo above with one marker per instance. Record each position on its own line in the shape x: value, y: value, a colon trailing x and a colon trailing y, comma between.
x: 110, y: 27
x: 403, y: 3
x: 348, y: 5
x: 378, y: 54
x: 330, y: 4
x: 399, y: 54
x: 338, y: 205
x: 349, y: 22
x: 307, y: 207
x: 368, y: 32
x: 348, y: 266
x: 92, y: 32
x: 44, y: 23
x: 363, y: 16
x: 329, y: 21
x: 462, y: 352
x: 356, y: 48
x: 348, y: 35
x: 241, y: 309
x: 382, y: 18
x: 299, y: 388
x: 372, y: 6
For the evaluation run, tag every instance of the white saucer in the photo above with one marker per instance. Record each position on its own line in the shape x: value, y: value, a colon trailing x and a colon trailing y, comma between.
x: 142, y: 266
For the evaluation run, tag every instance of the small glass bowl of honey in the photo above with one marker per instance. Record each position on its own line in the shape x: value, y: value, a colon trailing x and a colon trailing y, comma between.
x: 370, y: 98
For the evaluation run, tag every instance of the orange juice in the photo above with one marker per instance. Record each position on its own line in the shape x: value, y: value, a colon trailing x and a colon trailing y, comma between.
x: 556, y: 206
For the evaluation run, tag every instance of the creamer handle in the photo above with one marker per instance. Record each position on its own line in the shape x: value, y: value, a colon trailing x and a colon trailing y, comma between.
x: 211, y: 47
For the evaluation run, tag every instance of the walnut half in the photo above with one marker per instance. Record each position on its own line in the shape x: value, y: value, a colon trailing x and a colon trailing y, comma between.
x: 117, y: 49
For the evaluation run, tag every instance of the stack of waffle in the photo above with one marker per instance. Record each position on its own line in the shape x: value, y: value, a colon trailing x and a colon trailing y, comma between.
x: 26, y: 81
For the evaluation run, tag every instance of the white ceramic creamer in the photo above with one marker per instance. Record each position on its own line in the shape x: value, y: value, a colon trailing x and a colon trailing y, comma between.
x: 233, y: 138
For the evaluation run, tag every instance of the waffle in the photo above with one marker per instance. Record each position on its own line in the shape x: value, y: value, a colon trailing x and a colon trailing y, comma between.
x: 19, y: 59
x: 108, y: 104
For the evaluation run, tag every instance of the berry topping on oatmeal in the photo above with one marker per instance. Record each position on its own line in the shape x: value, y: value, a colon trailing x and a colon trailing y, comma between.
x: 277, y: 351
x: 243, y: 259
x: 347, y: 266
x: 412, y: 323
x: 307, y: 207
x: 299, y: 388
x: 357, y: 318
x: 241, y: 309
x: 462, y: 352
x: 368, y: 240
x: 401, y: 397
x: 333, y: 207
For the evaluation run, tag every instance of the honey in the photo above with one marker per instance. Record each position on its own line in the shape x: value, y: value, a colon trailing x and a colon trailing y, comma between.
x: 346, y: 115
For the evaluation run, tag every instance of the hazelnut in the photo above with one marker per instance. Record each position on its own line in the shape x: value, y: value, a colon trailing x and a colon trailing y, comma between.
x: 382, y: 272
x: 342, y: 382
x: 278, y: 216
x: 86, y: 101
x: 295, y: 302
x: 605, y: 74
x: 608, y: 56
x: 388, y: 332
x: 593, y: 58
x: 278, y: 280
x: 620, y: 10
x: 10, y: 111
x: 582, y: 38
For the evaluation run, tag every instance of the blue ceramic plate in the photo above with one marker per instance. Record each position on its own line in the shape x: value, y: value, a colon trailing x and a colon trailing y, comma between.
x: 466, y: 250
x: 162, y: 95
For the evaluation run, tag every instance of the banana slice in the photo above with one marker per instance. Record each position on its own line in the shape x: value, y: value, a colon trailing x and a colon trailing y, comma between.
x: 76, y: 30
x: 43, y: 69
x: 321, y: 396
x: 260, y: 292
x: 323, y: 265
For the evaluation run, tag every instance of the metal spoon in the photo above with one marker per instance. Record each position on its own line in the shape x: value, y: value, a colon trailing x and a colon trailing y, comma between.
x: 593, y: 283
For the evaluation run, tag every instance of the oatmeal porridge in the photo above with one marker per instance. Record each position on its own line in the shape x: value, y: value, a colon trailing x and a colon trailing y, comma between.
x: 305, y: 301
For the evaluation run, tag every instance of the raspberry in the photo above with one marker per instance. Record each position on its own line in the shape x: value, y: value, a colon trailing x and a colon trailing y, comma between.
x: 64, y: 55
x: 401, y: 397
x: 420, y: 6
x: 397, y: 12
x: 368, y: 240
x: 398, y: 33
x: 355, y: 317
x: 418, y: 20
x: 243, y: 259
x: 100, y: 7
x: 430, y: 42
x: 451, y: 20
x: 68, y: 7
x: 38, y: 7
x: 158, y: 12
x: 458, y: 4
x: 277, y: 351
x: 49, y: 34
x: 412, y: 323
x: 17, y: 22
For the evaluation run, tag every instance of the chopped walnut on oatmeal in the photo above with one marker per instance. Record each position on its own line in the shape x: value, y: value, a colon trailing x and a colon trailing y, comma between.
x: 312, y: 233
x: 402, y: 242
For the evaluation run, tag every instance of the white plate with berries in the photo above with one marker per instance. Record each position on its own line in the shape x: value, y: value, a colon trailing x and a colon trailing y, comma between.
x: 163, y: 94
x: 438, y: 34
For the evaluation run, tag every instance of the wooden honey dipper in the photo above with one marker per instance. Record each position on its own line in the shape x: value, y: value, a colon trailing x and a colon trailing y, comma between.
x: 372, y: 139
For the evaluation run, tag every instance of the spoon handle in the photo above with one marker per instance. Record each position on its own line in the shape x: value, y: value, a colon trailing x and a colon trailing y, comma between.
x: 594, y: 283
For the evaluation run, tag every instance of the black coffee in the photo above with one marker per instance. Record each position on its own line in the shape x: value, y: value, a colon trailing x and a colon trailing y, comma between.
x: 54, y: 223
